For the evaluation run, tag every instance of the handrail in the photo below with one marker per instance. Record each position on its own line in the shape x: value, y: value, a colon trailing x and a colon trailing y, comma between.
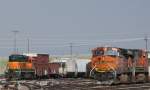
x: 92, y: 70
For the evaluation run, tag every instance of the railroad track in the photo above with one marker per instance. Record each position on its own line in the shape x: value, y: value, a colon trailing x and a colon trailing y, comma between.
x: 68, y: 84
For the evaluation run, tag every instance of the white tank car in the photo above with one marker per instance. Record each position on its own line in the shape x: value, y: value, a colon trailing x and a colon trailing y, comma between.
x: 72, y: 67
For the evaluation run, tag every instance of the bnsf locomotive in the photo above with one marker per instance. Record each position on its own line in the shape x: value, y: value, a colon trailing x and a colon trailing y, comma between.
x: 118, y: 65
x: 19, y: 67
x: 27, y: 66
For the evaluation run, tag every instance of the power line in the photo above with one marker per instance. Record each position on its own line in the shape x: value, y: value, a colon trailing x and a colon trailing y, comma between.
x: 46, y: 44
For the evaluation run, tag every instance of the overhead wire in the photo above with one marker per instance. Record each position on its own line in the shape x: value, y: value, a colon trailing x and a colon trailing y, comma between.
x: 58, y: 45
x: 93, y: 42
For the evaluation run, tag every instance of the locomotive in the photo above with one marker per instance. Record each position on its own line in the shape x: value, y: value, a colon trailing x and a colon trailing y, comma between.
x: 27, y: 67
x: 118, y: 65
x: 19, y: 67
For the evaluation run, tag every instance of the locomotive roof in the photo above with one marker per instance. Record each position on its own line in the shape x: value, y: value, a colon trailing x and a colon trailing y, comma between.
x: 118, y: 48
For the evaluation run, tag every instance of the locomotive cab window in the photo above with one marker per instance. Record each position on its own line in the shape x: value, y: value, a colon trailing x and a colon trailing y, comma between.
x: 98, y: 52
x: 18, y: 58
x: 111, y: 53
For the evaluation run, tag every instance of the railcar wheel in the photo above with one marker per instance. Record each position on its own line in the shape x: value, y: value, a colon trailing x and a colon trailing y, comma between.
x: 141, y: 78
x: 124, y: 78
x: 96, y: 76
x: 28, y: 76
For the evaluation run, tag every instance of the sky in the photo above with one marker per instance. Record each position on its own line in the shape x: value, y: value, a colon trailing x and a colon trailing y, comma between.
x: 51, y: 25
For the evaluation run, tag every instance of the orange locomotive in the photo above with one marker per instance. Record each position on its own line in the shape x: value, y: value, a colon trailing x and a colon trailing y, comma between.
x: 27, y: 66
x: 118, y: 65
x: 19, y: 67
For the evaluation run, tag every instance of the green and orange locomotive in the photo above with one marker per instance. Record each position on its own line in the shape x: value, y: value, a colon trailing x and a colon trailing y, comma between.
x: 27, y: 66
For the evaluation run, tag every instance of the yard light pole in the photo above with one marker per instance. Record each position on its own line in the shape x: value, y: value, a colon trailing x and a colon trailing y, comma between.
x: 28, y: 45
x: 15, y: 40
x: 146, y: 42
x: 71, y: 46
x: 73, y: 60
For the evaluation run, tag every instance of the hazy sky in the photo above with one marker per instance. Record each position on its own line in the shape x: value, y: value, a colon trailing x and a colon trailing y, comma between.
x: 52, y: 24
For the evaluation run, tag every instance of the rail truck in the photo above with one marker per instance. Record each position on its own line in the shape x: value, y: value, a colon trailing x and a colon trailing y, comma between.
x: 118, y: 65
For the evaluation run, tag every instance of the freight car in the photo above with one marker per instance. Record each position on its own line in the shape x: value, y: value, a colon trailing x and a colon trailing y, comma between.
x: 148, y: 64
x: 81, y: 67
x: 76, y: 67
x: 71, y: 67
x: 118, y: 65
x: 54, y: 69
x: 40, y: 64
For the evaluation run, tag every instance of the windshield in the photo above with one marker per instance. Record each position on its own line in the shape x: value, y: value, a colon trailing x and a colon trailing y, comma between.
x: 111, y: 52
x: 106, y: 51
x: 18, y: 58
x: 98, y: 53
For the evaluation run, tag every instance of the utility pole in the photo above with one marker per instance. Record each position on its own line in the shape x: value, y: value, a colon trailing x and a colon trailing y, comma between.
x: 28, y: 45
x: 15, y: 40
x: 146, y: 42
x: 73, y: 60
x: 71, y: 50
